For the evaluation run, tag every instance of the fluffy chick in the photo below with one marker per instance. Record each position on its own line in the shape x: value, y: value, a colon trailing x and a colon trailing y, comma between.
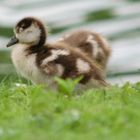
x: 40, y: 62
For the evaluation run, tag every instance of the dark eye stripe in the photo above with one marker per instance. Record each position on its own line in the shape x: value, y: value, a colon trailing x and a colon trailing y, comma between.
x: 25, y: 23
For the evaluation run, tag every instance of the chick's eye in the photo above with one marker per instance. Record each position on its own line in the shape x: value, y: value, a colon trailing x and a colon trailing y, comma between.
x: 29, y: 31
x: 23, y: 25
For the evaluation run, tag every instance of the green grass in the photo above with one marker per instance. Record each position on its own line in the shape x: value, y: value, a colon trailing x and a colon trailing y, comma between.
x: 32, y: 113
x: 6, y: 31
x: 5, y: 56
x: 103, y: 14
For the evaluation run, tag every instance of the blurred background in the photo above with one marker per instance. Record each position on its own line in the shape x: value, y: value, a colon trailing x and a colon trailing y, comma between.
x: 117, y: 20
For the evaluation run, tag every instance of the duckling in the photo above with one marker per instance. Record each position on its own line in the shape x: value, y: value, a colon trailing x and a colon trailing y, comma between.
x: 92, y: 43
x: 39, y: 61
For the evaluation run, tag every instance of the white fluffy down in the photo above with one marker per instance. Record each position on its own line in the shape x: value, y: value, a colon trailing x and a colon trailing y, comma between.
x: 94, y: 43
x: 82, y: 66
x: 29, y: 35
x: 26, y: 66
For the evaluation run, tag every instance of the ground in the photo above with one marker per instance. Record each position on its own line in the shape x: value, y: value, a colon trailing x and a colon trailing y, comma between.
x: 32, y: 113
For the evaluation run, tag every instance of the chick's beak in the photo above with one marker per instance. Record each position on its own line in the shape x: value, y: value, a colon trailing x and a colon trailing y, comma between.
x: 12, y: 41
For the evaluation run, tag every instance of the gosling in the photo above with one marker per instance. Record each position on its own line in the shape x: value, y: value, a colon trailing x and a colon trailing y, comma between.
x: 40, y: 62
